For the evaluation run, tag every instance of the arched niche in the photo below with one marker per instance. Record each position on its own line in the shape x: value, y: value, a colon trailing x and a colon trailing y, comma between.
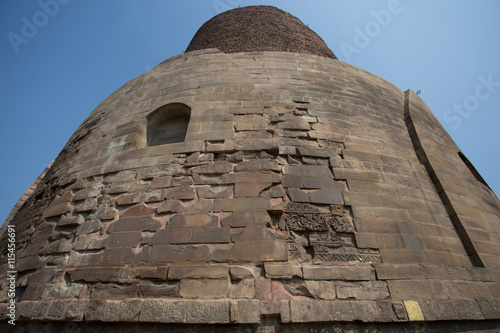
x: 168, y: 124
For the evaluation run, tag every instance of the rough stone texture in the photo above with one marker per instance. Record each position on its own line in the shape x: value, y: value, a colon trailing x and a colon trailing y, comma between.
x: 258, y: 28
x: 323, y: 194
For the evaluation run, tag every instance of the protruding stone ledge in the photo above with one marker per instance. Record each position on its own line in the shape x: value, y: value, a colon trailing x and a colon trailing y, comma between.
x: 249, y: 311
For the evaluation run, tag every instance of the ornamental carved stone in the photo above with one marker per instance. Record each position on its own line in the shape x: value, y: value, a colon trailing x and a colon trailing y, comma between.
x: 319, y: 236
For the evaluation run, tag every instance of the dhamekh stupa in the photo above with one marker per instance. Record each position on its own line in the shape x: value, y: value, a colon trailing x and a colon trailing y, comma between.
x: 255, y: 183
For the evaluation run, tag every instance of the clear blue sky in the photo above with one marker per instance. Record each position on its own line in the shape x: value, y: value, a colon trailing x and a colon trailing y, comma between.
x: 57, y: 63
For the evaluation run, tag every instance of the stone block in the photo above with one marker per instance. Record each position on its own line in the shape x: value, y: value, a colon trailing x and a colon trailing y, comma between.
x: 219, y: 312
x: 57, y: 310
x: 62, y: 291
x: 372, y: 290
x: 134, y: 224
x: 307, y: 170
x: 249, y: 190
x: 174, y: 311
x: 318, y: 152
x: 357, y: 174
x: 366, y: 311
x: 123, y: 239
x: 70, y: 221
x: 258, y: 165
x: 248, y: 177
x: 157, y: 273
x: 245, y: 204
x: 205, y: 288
x: 150, y: 289
x: 180, y: 193
x: 300, y: 311
x: 320, y: 289
x: 242, y: 272
x: 179, y: 272
x: 178, y: 253
x: 297, y: 195
x: 328, y: 197
x: 400, y: 272
x: 177, y: 206
x: 263, y: 288
x: 130, y: 310
x: 124, y: 254
x: 282, y: 270
x: 245, y: 311
x: 106, y: 213
x: 219, y: 167
x: 152, y: 310
x: 247, y: 218
x: 210, y: 235
x: 347, y: 273
x: 244, y: 288
x: 96, y: 274
x: 110, y: 310
x: 76, y: 310
x: 254, y: 233
x: 133, y: 198
x: 193, y: 220
x: 198, y: 311
x: 413, y: 310
x: 467, y: 309
x: 57, y: 210
x: 94, y: 310
x: 429, y: 309
x: 112, y: 291
x: 161, y: 182
x: 490, y: 308
x: 214, y: 192
x: 265, y: 250
x: 404, y: 289
x: 368, y: 212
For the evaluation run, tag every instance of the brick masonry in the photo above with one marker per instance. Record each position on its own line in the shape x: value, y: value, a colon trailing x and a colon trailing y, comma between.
x: 306, y: 190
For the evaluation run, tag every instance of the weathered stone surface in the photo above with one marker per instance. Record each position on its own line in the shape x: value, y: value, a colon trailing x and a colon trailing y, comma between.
x: 282, y: 271
x: 70, y: 221
x: 149, y: 289
x: 205, y: 288
x: 76, y: 309
x: 270, y: 250
x: 152, y: 310
x: 112, y: 291
x: 366, y: 311
x: 246, y: 218
x: 349, y: 273
x: 245, y: 204
x: 220, y: 167
x: 130, y: 310
x: 245, y: 311
x: 113, y: 217
x: 241, y: 272
x: 209, y: 192
x: 244, y: 288
x: 178, y: 272
x: 362, y: 290
x: 307, y: 170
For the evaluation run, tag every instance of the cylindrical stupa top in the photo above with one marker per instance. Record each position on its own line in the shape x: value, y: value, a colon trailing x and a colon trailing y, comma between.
x: 258, y: 28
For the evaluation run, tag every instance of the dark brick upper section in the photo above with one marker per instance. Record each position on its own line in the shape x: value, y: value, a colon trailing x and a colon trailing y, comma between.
x: 258, y: 28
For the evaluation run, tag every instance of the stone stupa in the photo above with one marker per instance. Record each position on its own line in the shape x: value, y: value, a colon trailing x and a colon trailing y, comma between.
x: 256, y: 183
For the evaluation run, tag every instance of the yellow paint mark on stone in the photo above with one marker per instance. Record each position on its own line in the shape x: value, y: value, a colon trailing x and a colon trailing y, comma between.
x: 413, y: 310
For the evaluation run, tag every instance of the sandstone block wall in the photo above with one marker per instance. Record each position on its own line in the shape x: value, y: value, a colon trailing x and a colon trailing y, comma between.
x: 306, y: 190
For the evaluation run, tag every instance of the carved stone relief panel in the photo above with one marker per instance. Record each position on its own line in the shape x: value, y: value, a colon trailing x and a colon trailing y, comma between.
x: 316, y: 236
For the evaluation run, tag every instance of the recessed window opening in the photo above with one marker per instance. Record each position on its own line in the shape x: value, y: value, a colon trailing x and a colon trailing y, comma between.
x: 472, y: 169
x: 168, y: 124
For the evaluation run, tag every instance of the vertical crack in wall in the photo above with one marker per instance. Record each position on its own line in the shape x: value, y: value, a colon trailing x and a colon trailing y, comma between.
x: 423, y: 158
